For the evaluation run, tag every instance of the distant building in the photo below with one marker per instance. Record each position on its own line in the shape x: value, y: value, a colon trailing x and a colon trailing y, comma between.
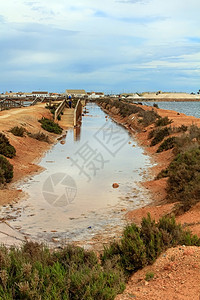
x: 94, y: 95
x: 76, y: 93
x: 40, y: 94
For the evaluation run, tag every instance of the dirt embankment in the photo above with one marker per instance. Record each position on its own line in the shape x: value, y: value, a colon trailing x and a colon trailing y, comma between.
x: 28, y: 150
x: 159, y: 205
x: 176, y: 273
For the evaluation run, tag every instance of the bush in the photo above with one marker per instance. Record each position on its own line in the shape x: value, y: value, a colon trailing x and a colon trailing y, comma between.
x: 35, y: 272
x: 149, y: 276
x: 6, y: 170
x: 6, y: 148
x: 163, y: 121
x: 159, y: 135
x: 141, y: 246
x: 155, y: 105
x: 50, y: 125
x: 194, y: 133
x: 183, y: 178
x: 127, y: 109
x: 148, y: 117
x: 182, y: 128
x: 40, y: 136
x: 169, y: 143
x: 18, y: 131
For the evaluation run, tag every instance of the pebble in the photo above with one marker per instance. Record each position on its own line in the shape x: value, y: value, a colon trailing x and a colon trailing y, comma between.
x: 115, y: 185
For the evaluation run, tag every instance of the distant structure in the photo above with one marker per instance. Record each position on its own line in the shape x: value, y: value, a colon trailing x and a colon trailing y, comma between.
x: 40, y: 94
x: 95, y: 95
x: 76, y: 93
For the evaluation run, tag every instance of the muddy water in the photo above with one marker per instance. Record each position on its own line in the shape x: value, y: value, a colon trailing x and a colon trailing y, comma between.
x: 73, y: 198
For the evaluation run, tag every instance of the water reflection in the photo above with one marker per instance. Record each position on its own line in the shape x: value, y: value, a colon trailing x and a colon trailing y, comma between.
x: 77, y: 132
x: 96, y: 204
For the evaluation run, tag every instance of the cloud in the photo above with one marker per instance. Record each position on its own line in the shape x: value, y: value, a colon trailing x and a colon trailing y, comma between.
x: 99, y: 44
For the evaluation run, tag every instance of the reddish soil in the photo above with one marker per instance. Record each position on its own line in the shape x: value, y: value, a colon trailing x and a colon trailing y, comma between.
x: 176, y: 277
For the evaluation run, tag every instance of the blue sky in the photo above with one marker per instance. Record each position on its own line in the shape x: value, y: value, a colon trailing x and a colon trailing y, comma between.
x: 103, y: 45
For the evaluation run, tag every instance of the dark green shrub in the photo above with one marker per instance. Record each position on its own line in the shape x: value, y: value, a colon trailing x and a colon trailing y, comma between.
x: 6, y: 148
x: 155, y: 105
x: 182, y: 128
x: 141, y: 246
x: 159, y: 135
x: 148, y: 117
x: 6, y: 170
x: 40, y: 136
x: 183, y: 178
x: 18, y: 131
x: 149, y: 276
x: 152, y: 238
x: 163, y: 121
x: 169, y: 143
x: 50, y: 125
x: 194, y: 133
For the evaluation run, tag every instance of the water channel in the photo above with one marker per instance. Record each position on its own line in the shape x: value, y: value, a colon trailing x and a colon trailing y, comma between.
x: 73, y: 199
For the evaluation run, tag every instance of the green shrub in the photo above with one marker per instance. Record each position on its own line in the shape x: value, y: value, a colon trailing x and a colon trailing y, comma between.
x: 148, y: 117
x: 163, y: 121
x: 183, y: 178
x: 182, y: 128
x: 40, y: 136
x: 149, y: 276
x: 50, y: 125
x: 169, y: 143
x: 6, y: 170
x: 6, y: 148
x: 159, y: 135
x: 194, y: 133
x: 18, y: 131
x: 35, y: 272
x: 141, y: 246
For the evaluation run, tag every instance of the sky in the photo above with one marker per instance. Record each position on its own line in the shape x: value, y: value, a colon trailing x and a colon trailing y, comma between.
x: 112, y: 46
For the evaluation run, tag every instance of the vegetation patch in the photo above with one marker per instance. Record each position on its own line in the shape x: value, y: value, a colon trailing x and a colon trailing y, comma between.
x: 50, y: 126
x: 35, y: 272
x: 163, y: 121
x: 40, y: 136
x: 6, y: 170
x: 6, y: 148
x: 140, y: 246
x: 127, y: 109
x: 183, y: 178
x: 149, y: 276
x: 18, y: 131
x: 169, y: 143
x: 159, y: 135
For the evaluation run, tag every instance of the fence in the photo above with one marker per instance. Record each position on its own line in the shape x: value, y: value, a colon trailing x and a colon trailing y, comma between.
x: 59, y: 109
x: 77, y: 112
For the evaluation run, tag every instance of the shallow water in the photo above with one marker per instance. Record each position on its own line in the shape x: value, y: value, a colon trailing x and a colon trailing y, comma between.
x: 73, y: 199
x: 187, y: 108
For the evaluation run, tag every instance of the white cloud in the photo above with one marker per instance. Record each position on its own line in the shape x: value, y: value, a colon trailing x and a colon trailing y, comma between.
x: 101, y: 39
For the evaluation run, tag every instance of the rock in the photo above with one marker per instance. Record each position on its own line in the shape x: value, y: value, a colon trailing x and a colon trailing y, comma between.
x: 62, y: 142
x: 115, y: 185
x: 68, y: 157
